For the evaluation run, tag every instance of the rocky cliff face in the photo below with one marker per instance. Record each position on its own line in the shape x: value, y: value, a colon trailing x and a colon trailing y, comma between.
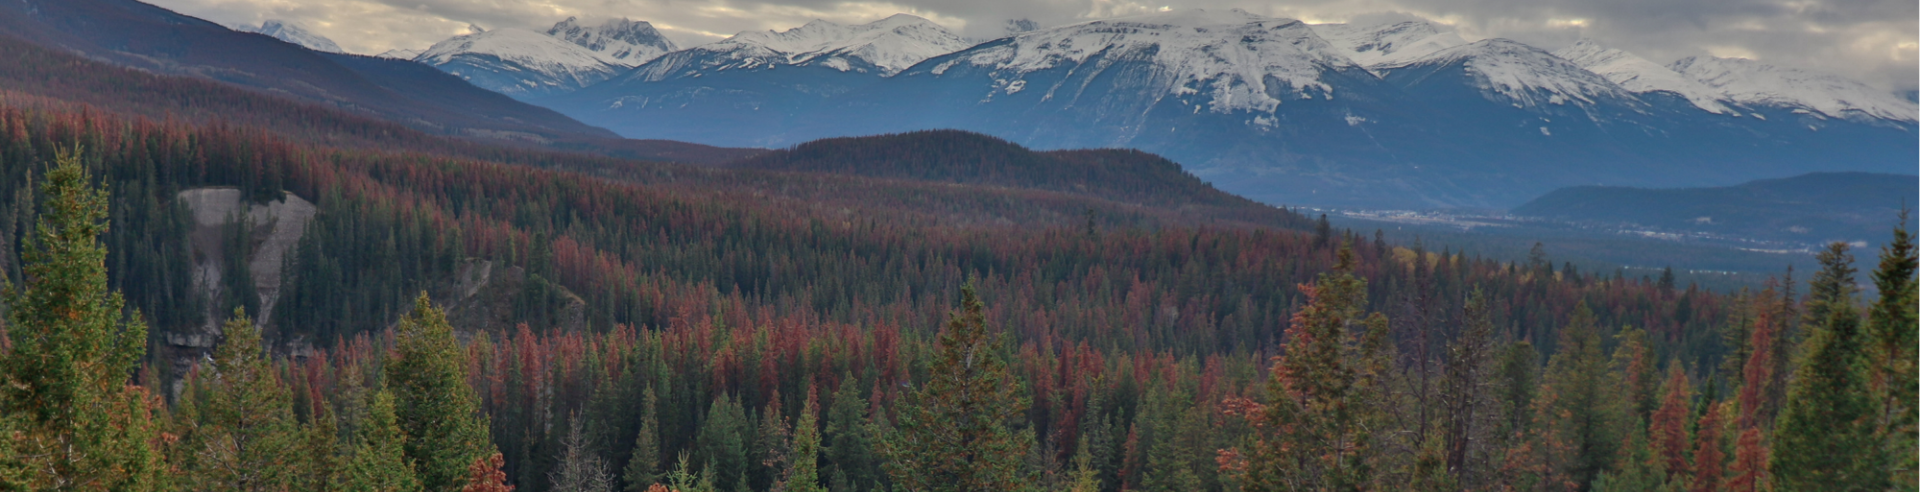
x: 263, y: 232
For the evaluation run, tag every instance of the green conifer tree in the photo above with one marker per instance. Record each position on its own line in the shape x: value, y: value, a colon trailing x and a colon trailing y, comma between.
x: 803, y: 472
x: 643, y: 468
x: 721, y: 445
x: 848, y: 441
x: 1325, y: 395
x: 955, y: 432
x: 1826, y: 437
x: 1894, y: 331
x: 1584, y: 407
x: 379, y: 462
x: 248, y: 439
x: 72, y: 418
x: 433, y: 401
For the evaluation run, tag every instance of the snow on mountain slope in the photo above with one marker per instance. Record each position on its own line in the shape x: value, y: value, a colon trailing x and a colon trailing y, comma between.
x: 1388, y: 44
x: 520, y: 63
x: 294, y: 34
x: 886, y: 47
x: 1755, y: 83
x: 1241, y: 60
x: 1636, y: 74
x: 621, y: 41
x: 1525, y: 76
x: 400, y: 54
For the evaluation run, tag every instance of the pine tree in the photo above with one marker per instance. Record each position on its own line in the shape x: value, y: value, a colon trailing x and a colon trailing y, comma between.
x: 1894, y: 330
x: 955, y: 431
x: 248, y: 439
x: 1708, y: 472
x: 485, y: 475
x: 848, y: 441
x: 1750, y: 454
x: 1669, y: 429
x: 1825, y: 437
x: 643, y: 468
x: 721, y: 446
x: 379, y: 462
x: 1324, y: 394
x: 73, y: 419
x: 436, y: 407
x: 1582, y: 405
x: 803, y: 473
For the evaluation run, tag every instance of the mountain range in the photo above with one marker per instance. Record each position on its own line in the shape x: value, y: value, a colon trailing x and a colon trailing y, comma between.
x: 1399, y: 115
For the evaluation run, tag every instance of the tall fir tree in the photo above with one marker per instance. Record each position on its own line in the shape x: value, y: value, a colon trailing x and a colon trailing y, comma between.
x: 721, y: 447
x: 1709, y: 472
x: 1895, y: 334
x: 433, y: 402
x: 1581, y: 403
x: 955, y: 432
x: 379, y: 462
x: 848, y: 441
x: 1826, y: 437
x: 247, y: 439
x: 73, y: 418
x: 1325, y: 393
x: 1668, y: 432
x: 803, y: 470
x: 643, y: 467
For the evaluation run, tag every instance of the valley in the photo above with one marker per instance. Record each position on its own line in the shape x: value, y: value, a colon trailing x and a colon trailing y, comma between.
x: 1165, y: 251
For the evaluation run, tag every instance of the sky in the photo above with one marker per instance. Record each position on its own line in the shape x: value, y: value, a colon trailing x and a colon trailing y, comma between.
x: 1874, y: 41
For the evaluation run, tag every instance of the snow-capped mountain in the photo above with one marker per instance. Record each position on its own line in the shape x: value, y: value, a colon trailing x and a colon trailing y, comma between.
x: 882, y: 47
x: 1396, y: 115
x: 294, y: 34
x: 520, y: 63
x: 1239, y: 61
x: 400, y: 54
x: 627, y: 42
x: 1388, y: 44
x: 1636, y: 74
x: 1754, y: 83
x: 1514, y: 73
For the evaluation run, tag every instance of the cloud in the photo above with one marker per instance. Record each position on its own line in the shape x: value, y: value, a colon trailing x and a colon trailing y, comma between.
x: 1871, y: 40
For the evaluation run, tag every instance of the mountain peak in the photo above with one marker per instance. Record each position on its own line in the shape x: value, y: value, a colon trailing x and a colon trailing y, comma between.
x: 519, y: 62
x: 890, y: 45
x: 290, y: 33
x: 1638, y: 75
x: 621, y: 41
x: 1755, y: 83
x: 1526, y: 76
x: 1386, y: 45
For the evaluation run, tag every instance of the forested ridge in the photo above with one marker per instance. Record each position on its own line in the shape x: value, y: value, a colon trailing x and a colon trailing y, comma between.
x: 772, y: 330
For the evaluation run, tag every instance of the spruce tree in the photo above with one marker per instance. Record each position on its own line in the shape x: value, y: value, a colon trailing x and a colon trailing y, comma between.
x: 803, y: 472
x: 1826, y: 437
x: 1894, y: 330
x: 1582, y: 406
x: 1324, y: 395
x: 379, y: 462
x: 847, y: 446
x: 955, y: 432
x: 73, y: 419
x: 248, y: 438
x: 721, y: 445
x: 436, y: 407
x: 643, y: 468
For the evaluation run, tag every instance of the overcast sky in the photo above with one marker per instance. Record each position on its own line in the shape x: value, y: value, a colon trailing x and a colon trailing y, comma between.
x: 1872, y: 40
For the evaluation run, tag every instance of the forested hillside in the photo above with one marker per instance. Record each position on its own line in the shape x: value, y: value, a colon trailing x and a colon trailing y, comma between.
x: 465, y: 317
x: 1811, y: 208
